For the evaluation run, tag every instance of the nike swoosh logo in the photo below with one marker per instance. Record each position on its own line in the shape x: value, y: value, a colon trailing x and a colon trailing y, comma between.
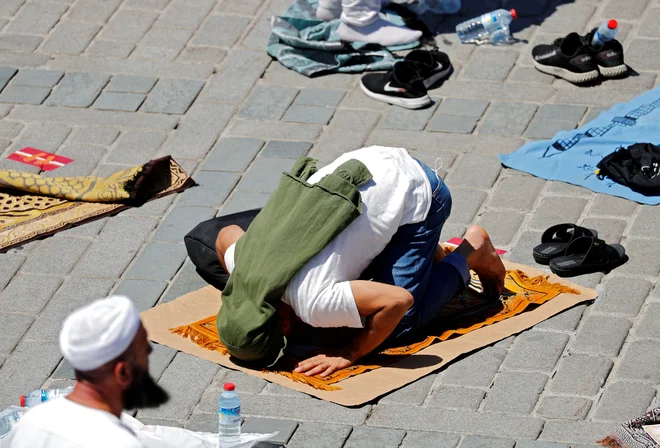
x: 389, y: 88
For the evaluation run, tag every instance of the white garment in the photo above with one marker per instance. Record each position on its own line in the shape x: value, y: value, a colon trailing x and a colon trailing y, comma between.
x: 398, y: 194
x: 61, y: 423
x: 360, y: 12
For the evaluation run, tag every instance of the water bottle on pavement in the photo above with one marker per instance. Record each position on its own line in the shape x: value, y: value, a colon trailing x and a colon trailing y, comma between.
x: 39, y: 396
x: 440, y: 6
x: 229, y: 407
x: 491, y: 27
x: 606, y: 32
x: 8, y: 419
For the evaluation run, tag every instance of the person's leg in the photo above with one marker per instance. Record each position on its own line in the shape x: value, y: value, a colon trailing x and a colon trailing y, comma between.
x: 226, y: 237
x: 361, y: 22
x: 328, y: 10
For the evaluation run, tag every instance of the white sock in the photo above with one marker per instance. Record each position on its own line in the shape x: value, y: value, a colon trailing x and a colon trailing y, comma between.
x: 327, y: 14
x: 378, y: 32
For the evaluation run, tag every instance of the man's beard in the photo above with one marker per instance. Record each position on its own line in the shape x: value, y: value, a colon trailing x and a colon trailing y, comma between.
x: 144, y: 392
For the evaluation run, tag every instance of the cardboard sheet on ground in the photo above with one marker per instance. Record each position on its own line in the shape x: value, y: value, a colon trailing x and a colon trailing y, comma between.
x: 359, y: 389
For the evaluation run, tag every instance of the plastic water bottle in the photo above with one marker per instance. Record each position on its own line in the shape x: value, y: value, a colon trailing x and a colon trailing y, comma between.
x: 8, y: 419
x: 606, y: 32
x: 492, y: 27
x: 39, y: 396
x: 439, y: 6
x: 229, y: 407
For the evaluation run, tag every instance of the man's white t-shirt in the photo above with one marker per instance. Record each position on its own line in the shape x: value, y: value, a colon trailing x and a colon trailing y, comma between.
x: 61, y: 423
x: 399, y: 194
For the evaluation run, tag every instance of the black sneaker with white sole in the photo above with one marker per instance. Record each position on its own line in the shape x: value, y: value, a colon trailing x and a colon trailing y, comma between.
x: 566, y: 58
x: 609, y: 57
x: 402, y: 86
x: 431, y: 65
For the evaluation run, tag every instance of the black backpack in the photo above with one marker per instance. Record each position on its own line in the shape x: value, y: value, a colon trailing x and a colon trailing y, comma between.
x: 636, y: 167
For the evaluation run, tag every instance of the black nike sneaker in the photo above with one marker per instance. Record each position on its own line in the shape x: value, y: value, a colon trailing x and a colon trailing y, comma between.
x: 431, y: 65
x: 402, y: 86
x: 566, y: 58
x: 609, y: 57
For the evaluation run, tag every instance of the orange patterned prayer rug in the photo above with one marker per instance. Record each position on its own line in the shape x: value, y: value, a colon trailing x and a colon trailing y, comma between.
x: 33, y: 206
x: 467, y: 312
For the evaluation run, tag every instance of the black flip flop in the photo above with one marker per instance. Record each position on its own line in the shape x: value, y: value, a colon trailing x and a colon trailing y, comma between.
x: 588, y: 254
x: 556, y: 238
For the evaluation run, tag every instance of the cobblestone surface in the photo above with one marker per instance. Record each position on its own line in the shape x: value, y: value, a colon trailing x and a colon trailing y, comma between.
x: 113, y: 83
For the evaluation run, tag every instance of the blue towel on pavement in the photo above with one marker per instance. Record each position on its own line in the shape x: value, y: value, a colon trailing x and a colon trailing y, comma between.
x: 312, y: 47
x: 572, y: 156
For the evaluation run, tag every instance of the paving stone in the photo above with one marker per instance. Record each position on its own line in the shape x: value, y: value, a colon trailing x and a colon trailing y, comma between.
x: 180, y: 221
x: 627, y: 9
x: 472, y: 441
x: 475, y: 171
x: 561, y: 112
x: 109, y: 49
x: 10, y: 130
x: 459, y: 124
x: 309, y: 114
x: 465, y: 204
x: 363, y: 437
x: 37, y: 78
x: 476, y: 370
x: 186, y: 281
x: 556, y: 210
x: 264, y: 175
x: 128, y: 102
x: 162, y: 43
x: 172, y: 96
x: 10, y: 7
x: 74, y: 293
x: 514, y: 392
x: 38, y: 18
x: 14, y: 327
x: 452, y: 397
x: 232, y: 154
x: 319, y: 97
x: 143, y: 293
x: 158, y: 261
x: 460, y: 421
x: 64, y: 371
x: 538, y: 444
x: 19, y: 43
x: 197, y: 134
x: 568, y: 16
x: 417, y: 439
x: 647, y: 27
x: 267, y: 103
x: 546, y: 129
x: 70, y: 37
x: 621, y: 400
x: 516, y: 193
x: 160, y: 358
x: 642, y: 261
x: 78, y: 90
x: 183, y: 16
x: 220, y: 31
x: 24, y: 94
x: 565, y: 321
x: 507, y: 118
x: 501, y: 226
x: 185, y: 379
x: 645, y: 223
x: 601, y: 335
x: 348, y: 131
x: 530, y: 75
x: 235, y: 79
x: 136, y: 147
x: 558, y: 188
x: 622, y: 296
x: 356, y: 99
x: 317, y: 435
x: 131, y: 84
x: 6, y: 74
x: 286, y: 150
x: 243, y: 200
x: 55, y: 256
x: 413, y: 393
x: 640, y: 362
x: 284, y: 428
x: 490, y: 64
x: 115, y: 247
x: 128, y: 26
x: 571, y: 408
x: 580, y: 375
x: 86, y: 158
x: 648, y: 327
x: 212, y: 189
x: 26, y: 293
x: 413, y: 120
x: 212, y: 55
x: 536, y: 351
x: 244, y: 383
x: 27, y: 369
x: 576, y: 432
x: 93, y: 11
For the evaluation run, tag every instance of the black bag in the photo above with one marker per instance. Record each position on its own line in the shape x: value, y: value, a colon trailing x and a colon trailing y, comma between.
x: 200, y: 243
x: 636, y: 167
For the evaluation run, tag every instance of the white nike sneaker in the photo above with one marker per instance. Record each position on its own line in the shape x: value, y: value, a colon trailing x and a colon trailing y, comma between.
x: 402, y: 86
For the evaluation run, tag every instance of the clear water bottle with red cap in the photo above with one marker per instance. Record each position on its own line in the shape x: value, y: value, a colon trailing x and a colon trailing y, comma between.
x: 606, y: 32
x: 229, y: 410
x: 492, y: 27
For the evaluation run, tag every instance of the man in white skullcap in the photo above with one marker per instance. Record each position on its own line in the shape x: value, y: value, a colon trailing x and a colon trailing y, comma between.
x: 107, y: 346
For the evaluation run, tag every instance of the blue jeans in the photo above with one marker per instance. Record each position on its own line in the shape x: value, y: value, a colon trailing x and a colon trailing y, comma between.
x: 407, y: 261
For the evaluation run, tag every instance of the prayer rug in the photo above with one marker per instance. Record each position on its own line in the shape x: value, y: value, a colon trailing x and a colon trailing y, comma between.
x: 632, y: 434
x: 572, y: 156
x: 468, y: 323
x: 33, y: 206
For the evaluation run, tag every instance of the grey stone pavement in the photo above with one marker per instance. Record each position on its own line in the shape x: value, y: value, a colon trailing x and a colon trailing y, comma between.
x: 112, y: 83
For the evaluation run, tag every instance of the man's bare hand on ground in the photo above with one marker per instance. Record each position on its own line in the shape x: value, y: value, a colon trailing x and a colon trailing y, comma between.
x: 483, y: 259
x: 323, y: 364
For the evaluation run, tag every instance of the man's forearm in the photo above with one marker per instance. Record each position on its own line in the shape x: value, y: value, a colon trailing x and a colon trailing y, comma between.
x: 378, y: 327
